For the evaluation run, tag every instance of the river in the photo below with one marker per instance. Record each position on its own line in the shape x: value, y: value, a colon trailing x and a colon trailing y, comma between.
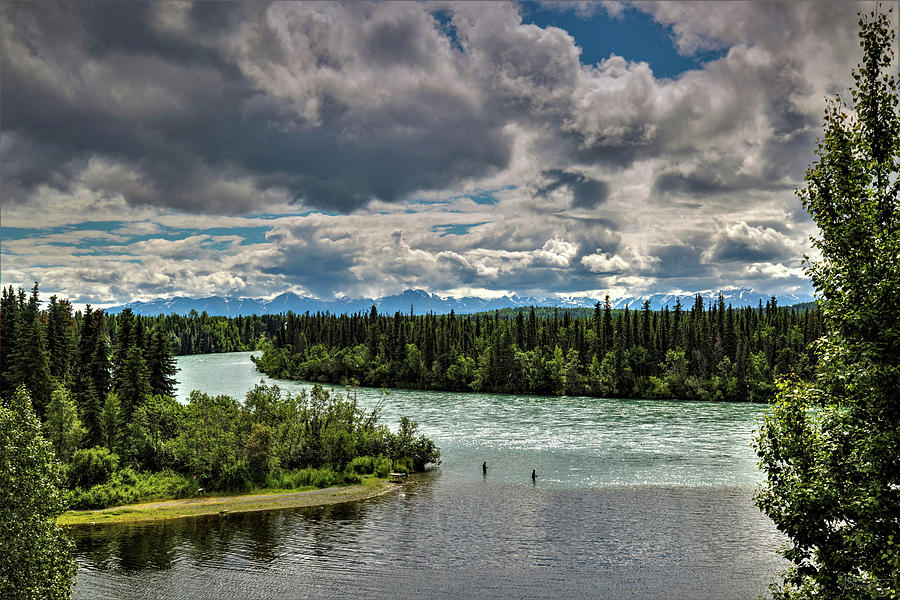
x: 633, y: 499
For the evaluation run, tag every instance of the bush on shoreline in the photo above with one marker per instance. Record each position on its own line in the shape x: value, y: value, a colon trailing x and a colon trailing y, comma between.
x: 314, y: 439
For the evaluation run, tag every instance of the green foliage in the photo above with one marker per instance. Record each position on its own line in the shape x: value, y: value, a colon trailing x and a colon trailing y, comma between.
x: 151, y: 432
x: 63, y: 428
x: 127, y: 486
x: 133, y: 381
x: 27, y: 363
x: 831, y: 448
x: 161, y: 365
x: 199, y: 333
x: 91, y: 466
x: 382, y: 467
x: 36, y: 558
x: 60, y: 339
x: 417, y: 450
x: 362, y: 465
x: 91, y: 372
x: 259, y: 451
x: 110, y: 422
x: 308, y: 477
x: 601, y: 353
x: 208, y: 442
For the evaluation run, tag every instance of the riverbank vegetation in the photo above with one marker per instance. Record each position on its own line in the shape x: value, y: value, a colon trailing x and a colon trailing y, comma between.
x: 259, y: 499
x: 704, y: 353
x: 109, y: 416
x: 830, y: 448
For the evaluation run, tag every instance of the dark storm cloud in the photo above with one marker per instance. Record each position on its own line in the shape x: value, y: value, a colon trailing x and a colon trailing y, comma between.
x: 204, y: 137
x: 679, y: 260
x: 218, y: 108
x: 586, y: 192
x: 714, y: 180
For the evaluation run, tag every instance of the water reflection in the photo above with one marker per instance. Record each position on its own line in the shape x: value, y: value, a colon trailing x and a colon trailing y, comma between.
x: 450, y: 538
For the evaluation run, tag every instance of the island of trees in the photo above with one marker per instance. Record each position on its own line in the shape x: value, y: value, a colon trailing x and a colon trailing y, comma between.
x: 702, y: 353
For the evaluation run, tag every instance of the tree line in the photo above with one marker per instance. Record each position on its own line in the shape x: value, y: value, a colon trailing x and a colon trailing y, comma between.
x: 713, y: 352
x: 84, y: 356
x: 103, y: 390
x: 200, y: 333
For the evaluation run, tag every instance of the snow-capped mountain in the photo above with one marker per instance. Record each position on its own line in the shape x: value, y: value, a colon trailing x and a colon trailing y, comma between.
x: 422, y: 302
x: 736, y: 298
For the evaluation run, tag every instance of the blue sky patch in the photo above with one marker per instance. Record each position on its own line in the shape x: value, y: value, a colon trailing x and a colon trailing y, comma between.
x: 445, y: 20
x: 634, y: 36
x: 455, y: 228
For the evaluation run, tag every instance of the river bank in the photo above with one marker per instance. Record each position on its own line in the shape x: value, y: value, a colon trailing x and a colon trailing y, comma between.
x: 213, y: 505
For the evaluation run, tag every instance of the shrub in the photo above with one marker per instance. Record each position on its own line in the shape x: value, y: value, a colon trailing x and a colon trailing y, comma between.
x: 91, y: 467
x: 259, y: 452
x: 127, y: 487
x: 404, y: 465
x: 362, y: 465
x: 382, y: 466
x: 235, y: 476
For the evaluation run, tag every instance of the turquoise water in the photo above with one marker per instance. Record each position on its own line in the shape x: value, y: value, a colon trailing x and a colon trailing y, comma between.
x: 634, y: 499
x: 572, y: 442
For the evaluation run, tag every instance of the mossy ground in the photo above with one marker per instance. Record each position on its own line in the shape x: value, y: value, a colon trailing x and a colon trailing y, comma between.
x: 261, y: 499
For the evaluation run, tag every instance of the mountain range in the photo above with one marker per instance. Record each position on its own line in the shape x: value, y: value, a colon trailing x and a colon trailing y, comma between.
x: 422, y: 302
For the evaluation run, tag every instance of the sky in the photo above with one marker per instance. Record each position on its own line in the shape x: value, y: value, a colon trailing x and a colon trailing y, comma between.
x: 358, y: 150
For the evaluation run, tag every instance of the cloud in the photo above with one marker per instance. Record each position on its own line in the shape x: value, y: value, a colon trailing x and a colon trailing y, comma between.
x: 329, y: 105
x: 327, y: 127
x: 585, y: 192
x: 627, y: 260
x: 742, y: 243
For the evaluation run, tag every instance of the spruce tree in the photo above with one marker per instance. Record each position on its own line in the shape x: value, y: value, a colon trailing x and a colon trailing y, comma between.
x: 125, y: 340
x: 30, y: 354
x: 60, y: 339
x: 134, y: 383
x: 92, y: 377
x: 11, y: 314
x: 161, y: 365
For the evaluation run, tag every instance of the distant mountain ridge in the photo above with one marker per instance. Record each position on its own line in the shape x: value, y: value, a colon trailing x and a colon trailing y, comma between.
x: 422, y: 302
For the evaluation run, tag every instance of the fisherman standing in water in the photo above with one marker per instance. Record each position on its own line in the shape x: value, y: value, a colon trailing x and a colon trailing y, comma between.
x: 533, y: 476
x: 484, y: 467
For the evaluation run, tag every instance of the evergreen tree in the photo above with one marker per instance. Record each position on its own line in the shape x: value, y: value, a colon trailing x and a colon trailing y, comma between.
x: 30, y: 354
x: 125, y: 341
x: 831, y: 448
x: 161, y: 365
x: 60, y: 339
x: 11, y: 313
x: 133, y: 386
x: 92, y: 376
x: 607, y: 343
x: 62, y: 428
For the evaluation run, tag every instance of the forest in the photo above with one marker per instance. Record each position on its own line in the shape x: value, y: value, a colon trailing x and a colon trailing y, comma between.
x: 702, y: 353
x: 103, y: 390
x: 103, y: 385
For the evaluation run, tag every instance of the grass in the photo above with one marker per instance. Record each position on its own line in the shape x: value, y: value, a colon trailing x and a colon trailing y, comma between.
x: 258, y: 499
